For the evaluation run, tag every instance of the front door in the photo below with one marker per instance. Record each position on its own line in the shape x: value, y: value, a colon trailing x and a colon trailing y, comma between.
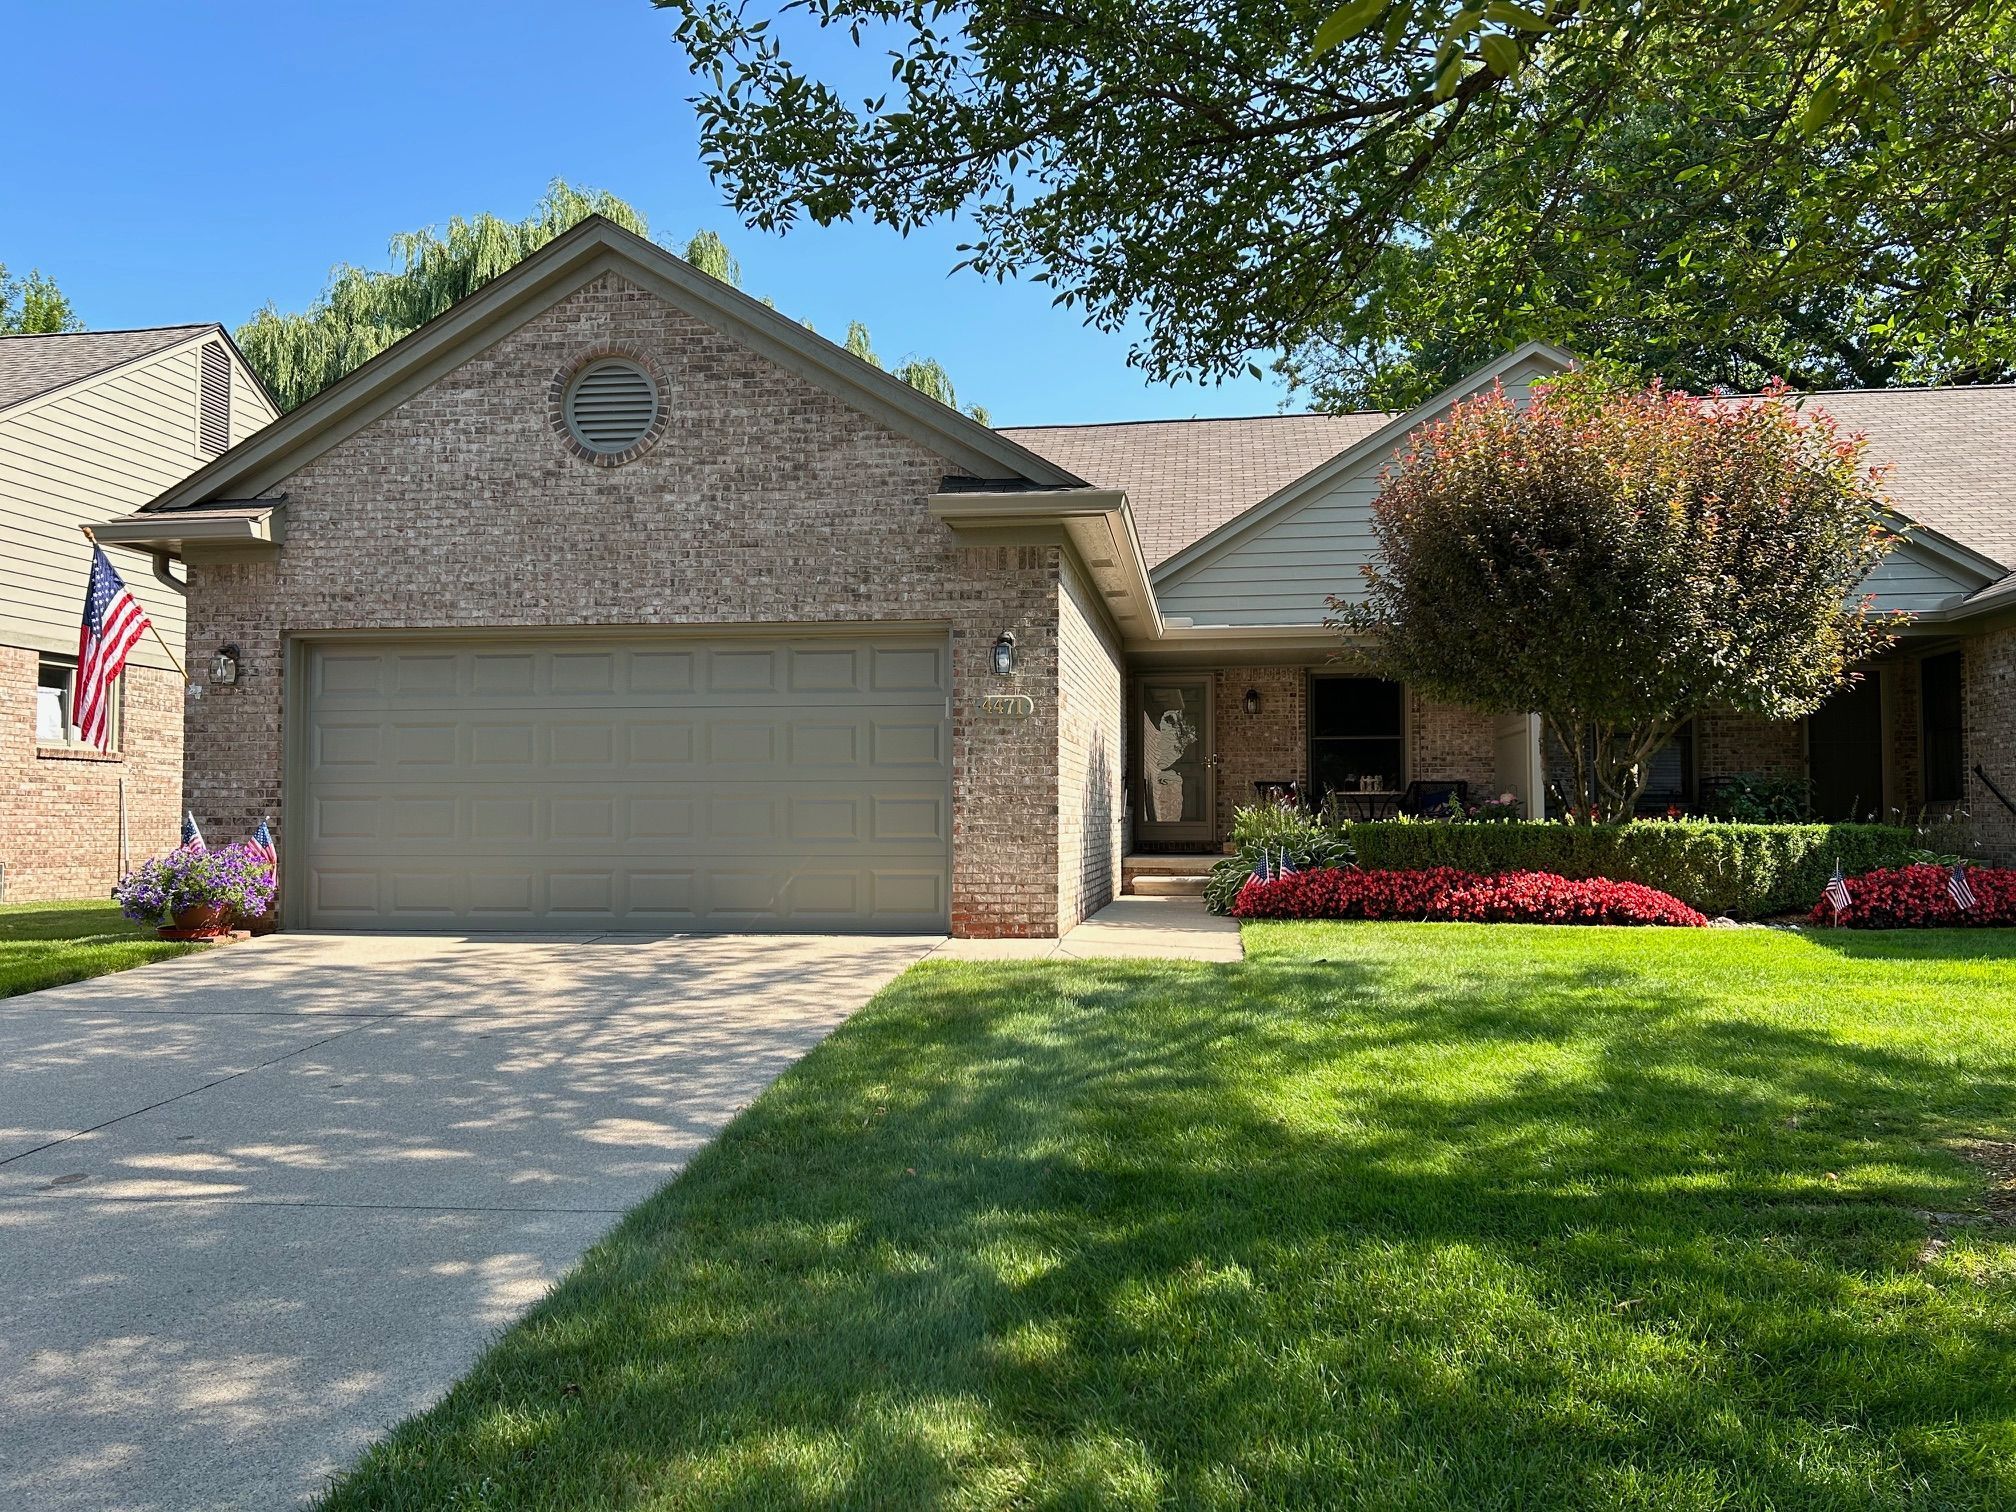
x: 1844, y: 752
x: 1176, y: 766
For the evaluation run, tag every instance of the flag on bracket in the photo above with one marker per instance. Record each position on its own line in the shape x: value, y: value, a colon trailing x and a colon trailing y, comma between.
x: 113, y: 625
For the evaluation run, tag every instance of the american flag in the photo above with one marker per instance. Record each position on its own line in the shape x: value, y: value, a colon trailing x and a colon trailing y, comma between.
x: 1956, y: 885
x: 1837, y: 890
x: 261, y: 844
x: 1287, y: 867
x: 192, y: 837
x: 113, y: 624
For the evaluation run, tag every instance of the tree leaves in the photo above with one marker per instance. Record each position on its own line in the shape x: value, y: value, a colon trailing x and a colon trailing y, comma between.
x: 1346, y: 22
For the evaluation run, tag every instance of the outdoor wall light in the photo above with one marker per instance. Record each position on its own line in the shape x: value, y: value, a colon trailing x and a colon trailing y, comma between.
x: 1252, y: 702
x: 224, y: 665
x: 1004, y: 654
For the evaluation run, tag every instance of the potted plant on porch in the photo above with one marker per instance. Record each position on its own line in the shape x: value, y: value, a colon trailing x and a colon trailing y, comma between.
x: 195, y: 894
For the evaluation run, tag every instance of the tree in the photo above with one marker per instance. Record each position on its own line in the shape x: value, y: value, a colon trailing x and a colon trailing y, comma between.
x: 363, y: 311
x: 34, y: 306
x: 1619, y: 559
x: 1816, y: 188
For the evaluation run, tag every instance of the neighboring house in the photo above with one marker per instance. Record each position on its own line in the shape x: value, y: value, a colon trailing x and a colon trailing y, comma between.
x: 612, y: 599
x: 93, y: 423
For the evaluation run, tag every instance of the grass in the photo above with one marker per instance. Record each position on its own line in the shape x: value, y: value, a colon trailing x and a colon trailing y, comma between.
x: 48, y: 944
x: 1415, y: 1216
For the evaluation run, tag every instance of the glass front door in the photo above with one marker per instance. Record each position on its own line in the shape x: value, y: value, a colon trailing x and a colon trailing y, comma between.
x: 1178, y: 776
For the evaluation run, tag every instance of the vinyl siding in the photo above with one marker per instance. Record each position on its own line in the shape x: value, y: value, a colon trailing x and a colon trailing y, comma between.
x: 85, y: 455
x: 1284, y: 573
x: 1907, y: 580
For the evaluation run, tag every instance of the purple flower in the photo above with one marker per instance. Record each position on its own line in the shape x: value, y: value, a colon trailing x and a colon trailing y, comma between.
x: 233, y: 876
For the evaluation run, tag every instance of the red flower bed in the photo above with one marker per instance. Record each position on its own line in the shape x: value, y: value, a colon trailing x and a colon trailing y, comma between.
x: 1442, y: 892
x: 1915, y: 897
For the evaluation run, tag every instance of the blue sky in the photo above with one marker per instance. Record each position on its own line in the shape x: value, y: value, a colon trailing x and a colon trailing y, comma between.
x: 185, y: 162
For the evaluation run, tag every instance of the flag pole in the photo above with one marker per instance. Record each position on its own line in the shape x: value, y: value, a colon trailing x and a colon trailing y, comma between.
x: 173, y: 660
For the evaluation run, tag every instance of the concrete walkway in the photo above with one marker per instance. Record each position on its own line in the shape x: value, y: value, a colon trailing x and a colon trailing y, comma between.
x: 257, y: 1205
x: 1165, y: 929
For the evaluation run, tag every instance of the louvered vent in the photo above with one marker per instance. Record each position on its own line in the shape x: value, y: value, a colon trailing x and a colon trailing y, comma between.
x: 611, y: 406
x: 213, y: 401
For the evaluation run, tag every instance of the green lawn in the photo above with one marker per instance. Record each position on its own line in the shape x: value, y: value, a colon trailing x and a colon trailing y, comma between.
x: 1389, y: 1216
x: 48, y: 944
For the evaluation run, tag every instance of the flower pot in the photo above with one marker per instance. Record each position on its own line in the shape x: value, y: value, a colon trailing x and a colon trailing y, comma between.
x: 201, y: 921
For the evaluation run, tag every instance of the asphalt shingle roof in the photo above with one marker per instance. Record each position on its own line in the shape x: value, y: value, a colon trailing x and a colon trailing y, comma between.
x: 31, y: 365
x: 1952, y: 454
x: 1185, y: 478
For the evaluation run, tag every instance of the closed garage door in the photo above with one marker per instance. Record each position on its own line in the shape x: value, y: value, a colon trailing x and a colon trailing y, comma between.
x: 775, y: 782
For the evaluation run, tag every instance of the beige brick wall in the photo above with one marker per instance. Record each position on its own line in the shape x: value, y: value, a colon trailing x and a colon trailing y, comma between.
x: 1270, y: 746
x: 1447, y: 741
x: 1731, y: 745
x: 767, y: 501
x: 59, y: 810
x: 1988, y: 693
x: 1090, y: 698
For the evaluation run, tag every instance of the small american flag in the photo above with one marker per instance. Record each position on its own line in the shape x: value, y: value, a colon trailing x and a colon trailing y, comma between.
x: 261, y: 844
x: 1956, y: 885
x: 1264, y: 872
x: 1287, y: 867
x: 113, y: 625
x: 192, y: 837
x: 1837, y: 890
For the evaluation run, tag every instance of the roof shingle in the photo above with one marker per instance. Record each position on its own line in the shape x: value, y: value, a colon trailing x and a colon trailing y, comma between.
x: 31, y: 365
x: 1951, y: 453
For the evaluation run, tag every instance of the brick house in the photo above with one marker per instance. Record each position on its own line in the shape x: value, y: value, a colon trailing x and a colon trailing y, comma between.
x: 92, y: 421
x: 612, y: 599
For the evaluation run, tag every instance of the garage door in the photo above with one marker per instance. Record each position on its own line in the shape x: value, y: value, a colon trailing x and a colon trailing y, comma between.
x: 798, y: 783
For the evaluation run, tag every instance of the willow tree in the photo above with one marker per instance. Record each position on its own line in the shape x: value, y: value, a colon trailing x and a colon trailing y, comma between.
x: 363, y: 311
x: 1619, y: 559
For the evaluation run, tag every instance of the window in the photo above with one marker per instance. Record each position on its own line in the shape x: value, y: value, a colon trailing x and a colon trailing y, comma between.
x: 1355, y: 735
x: 213, y: 401
x: 1945, y: 747
x: 56, y: 704
x: 1670, y: 781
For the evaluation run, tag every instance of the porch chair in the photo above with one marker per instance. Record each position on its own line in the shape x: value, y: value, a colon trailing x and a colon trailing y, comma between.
x: 1423, y: 798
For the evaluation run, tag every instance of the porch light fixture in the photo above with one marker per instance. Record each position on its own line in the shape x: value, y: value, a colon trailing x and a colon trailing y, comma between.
x: 1004, y: 654
x: 224, y: 665
x: 1252, y: 702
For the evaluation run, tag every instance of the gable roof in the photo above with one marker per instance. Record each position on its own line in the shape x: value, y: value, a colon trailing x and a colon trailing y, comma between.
x: 1953, y: 457
x: 31, y: 366
x: 1185, y: 478
x: 575, y: 257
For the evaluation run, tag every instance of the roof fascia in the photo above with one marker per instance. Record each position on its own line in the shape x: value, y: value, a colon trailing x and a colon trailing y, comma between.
x: 570, y: 260
x: 1099, y: 525
x: 1301, y: 489
x: 174, y: 531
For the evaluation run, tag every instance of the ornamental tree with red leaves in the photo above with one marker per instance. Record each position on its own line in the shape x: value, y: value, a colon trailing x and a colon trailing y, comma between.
x: 1619, y: 558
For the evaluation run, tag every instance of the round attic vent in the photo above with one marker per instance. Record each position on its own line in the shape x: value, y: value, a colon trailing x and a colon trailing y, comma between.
x: 611, y: 406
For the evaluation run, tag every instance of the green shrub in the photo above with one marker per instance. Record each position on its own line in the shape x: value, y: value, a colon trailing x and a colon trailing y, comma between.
x: 1763, y: 798
x: 1747, y: 871
x: 1276, y: 827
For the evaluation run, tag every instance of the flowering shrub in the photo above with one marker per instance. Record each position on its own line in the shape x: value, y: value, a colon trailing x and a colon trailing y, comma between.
x: 1915, y: 897
x: 1445, y: 893
x: 233, y: 876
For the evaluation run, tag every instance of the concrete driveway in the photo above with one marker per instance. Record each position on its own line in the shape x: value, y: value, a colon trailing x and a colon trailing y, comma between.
x: 259, y: 1204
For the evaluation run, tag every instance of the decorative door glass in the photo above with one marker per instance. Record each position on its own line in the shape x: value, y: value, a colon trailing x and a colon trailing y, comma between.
x: 1175, y: 753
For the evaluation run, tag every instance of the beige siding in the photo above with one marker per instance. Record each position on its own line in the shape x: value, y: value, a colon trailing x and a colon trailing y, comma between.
x: 85, y: 455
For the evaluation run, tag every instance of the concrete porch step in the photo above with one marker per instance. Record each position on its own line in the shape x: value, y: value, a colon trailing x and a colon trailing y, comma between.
x: 1157, y: 876
x: 1156, y: 885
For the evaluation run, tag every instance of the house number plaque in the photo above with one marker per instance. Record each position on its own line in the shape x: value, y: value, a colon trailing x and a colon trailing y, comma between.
x: 1008, y: 705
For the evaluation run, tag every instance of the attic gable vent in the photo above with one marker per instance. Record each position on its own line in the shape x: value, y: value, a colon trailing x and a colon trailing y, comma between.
x: 213, y: 401
x: 611, y: 406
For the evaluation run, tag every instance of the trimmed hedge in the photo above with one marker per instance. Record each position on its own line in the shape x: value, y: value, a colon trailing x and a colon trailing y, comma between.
x: 1746, y: 871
